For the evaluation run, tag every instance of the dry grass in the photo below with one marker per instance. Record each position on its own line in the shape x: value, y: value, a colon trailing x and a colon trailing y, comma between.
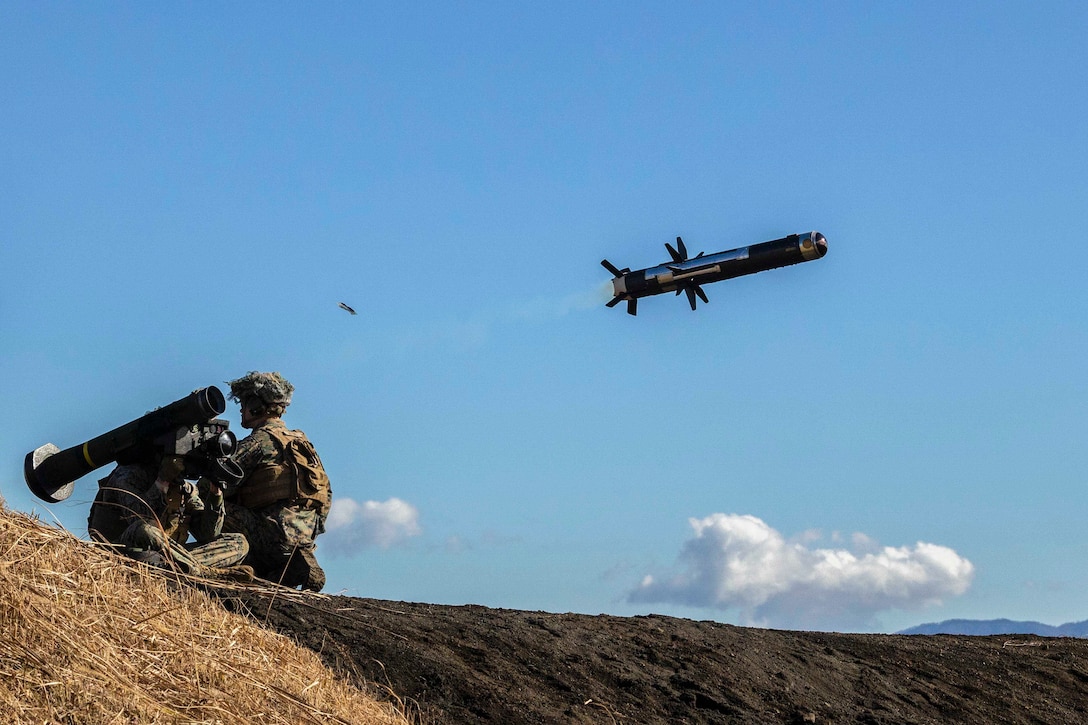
x: 88, y: 636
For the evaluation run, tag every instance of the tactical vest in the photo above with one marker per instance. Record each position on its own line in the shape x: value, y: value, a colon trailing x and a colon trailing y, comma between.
x: 296, y: 475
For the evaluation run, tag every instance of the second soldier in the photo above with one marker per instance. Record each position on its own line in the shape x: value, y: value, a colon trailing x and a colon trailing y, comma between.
x: 283, y: 498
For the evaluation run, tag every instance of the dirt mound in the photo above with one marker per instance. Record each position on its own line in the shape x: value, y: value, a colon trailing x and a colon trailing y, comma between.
x: 471, y: 664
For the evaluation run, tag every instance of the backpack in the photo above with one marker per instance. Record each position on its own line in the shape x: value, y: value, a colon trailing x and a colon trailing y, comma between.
x: 300, y: 477
x: 311, y: 480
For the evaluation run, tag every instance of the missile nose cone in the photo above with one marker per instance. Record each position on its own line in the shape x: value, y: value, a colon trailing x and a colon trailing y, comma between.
x: 812, y: 245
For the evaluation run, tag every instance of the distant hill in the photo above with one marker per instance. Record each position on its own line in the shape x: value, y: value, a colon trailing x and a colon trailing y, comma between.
x: 1000, y: 626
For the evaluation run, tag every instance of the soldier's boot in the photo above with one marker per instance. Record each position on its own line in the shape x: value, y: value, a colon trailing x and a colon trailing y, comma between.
x: 303, y: 570
x: 151, y: 558
x: 242, y: 573
x: 315, y: 577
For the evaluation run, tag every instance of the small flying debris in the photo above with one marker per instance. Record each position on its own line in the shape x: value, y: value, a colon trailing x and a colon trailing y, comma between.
x: 345, y: 307
x: 686, y: 275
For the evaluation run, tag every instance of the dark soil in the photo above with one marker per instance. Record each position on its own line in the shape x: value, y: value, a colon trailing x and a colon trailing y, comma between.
x: 471, y: 664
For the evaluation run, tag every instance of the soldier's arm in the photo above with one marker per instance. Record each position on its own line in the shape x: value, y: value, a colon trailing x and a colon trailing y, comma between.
x: 246, y: 455
x: 133, y: 494
x: 208, y: 524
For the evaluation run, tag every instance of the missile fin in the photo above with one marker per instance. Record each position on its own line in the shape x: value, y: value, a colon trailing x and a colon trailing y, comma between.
x: 693, y: 290
x: 615, y: 301
x: 672, y: 253
x: 682, y: 248
x: 632, y: 307
x: 611, y: 268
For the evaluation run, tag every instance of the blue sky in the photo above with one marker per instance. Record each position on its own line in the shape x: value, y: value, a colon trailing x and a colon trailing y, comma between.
x: 892, y: 434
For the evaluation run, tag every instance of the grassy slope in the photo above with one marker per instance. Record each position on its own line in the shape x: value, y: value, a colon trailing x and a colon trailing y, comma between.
x: 90, y: 636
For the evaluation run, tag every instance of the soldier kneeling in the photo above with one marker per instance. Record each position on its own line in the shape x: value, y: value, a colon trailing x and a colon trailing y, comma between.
x: 148, y: 510
x: 283, y: 498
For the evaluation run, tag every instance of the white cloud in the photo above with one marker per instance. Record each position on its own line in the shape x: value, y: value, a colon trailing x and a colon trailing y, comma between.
x: 739, y: 562
x: 353, y: 526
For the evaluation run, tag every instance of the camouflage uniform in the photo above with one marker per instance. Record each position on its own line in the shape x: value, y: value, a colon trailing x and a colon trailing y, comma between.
x: 281, y: 534
x: 134, y: 513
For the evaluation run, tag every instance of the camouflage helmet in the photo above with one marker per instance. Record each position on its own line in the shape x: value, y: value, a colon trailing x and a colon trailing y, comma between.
x: 271, y: 390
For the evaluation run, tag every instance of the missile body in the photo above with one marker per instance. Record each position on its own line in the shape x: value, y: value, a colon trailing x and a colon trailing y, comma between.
x: 683, y: 274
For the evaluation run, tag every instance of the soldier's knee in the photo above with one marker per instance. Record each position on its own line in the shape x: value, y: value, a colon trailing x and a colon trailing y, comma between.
x: 141, y: 535
x: 236, y: 543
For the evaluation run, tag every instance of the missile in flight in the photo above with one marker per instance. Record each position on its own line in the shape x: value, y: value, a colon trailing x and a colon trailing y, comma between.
x: 688, y: 275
